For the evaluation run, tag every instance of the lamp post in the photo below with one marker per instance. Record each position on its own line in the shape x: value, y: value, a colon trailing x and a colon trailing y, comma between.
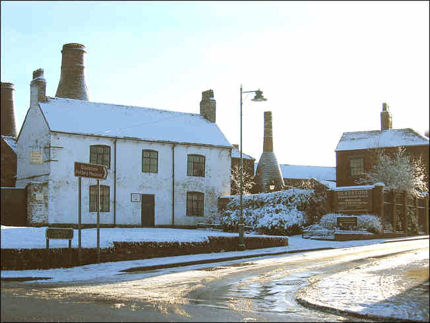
x: 257, y: 98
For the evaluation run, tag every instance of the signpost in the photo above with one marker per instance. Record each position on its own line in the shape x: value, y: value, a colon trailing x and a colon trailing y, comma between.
x: 90, y: 171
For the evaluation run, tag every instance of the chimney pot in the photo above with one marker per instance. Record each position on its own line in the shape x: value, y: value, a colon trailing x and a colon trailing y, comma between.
x: 386, y: 119
x: 208, y: 106
x: 8, y: 127
x: 37, y: 87
x: 72, y: 83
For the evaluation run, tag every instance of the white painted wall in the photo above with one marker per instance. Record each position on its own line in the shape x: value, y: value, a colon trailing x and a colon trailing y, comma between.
x: 63, y: 188
x: 34, y: 136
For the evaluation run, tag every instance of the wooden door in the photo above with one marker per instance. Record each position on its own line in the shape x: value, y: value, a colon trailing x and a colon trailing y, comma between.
x: 148, y: 207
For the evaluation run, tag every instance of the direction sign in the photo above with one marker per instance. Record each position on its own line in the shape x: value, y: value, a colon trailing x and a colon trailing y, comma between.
x: 90, y: 170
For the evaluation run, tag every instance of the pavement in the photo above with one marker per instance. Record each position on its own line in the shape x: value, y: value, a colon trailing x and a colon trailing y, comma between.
x: 411, y: 294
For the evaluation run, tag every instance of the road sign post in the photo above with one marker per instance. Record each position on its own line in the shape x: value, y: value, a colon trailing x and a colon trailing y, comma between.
x: 90, y: 171
x: 98, y: 221
x: 79, y: 219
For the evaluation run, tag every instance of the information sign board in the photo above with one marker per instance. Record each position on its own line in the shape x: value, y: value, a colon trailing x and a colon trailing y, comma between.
x: 59, y: 233
x: 347, y: 223
x: 353, y: 201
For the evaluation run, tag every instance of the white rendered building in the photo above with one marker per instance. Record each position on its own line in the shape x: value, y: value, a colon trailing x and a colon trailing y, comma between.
x: 164, y: 168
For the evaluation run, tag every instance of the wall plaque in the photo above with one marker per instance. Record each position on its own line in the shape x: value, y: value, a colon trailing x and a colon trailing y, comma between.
x: 36, y: 157
x: 353, y: 201
x: 135, y: 197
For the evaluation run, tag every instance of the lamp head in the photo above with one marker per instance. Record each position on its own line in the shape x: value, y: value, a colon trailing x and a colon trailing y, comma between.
x: 259, y: 96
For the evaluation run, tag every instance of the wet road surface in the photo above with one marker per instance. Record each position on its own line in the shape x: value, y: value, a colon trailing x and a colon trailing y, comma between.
x: 258, y: 289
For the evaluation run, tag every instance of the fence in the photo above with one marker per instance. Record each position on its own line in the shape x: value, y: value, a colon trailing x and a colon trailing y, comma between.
x: 13, y: 206
x: 405, y: 213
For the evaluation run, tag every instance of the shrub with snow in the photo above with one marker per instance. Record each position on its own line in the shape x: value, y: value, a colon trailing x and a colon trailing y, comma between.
x: 367, y: 222
x: 279, y: 213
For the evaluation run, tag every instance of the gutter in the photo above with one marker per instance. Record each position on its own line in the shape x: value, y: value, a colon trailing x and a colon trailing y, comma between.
x: 173, y: 184
x: 114, y: 183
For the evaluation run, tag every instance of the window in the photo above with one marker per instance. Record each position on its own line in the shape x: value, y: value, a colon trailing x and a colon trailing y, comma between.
x: 100, y: 154
x: 149, y: 161
x: 104, y: 198
x: 196, y: 165
x: 357, y: 166
x: 195, y: 204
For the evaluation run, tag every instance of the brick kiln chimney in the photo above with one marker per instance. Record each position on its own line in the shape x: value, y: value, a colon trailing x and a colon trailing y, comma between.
x: 268, y: 171
x: 386, y: 121
x: 8, y: 127
x: 208, y: 106
x: 72, y: 81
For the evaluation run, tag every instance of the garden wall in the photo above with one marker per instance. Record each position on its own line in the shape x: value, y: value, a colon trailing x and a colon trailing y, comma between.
x: 19, y: 259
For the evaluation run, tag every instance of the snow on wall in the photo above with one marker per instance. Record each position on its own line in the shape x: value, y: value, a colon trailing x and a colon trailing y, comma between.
x: 235, y: 153
x: 83, y: 117
x: 308, y: 172
x: 380, y: 139
x: 11, y: 141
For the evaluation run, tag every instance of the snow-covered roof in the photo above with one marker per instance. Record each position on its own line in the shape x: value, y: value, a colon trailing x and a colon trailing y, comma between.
x: 235, y: 153
x: 111, y: 120
x: 11, y: 141
x: 329, y: 184
x: 380, y: 139
x: 308, y: 172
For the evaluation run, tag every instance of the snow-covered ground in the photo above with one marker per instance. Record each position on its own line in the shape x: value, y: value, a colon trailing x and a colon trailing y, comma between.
x: 14, y: 237
x: 31, y: 237
x: 379, y: 288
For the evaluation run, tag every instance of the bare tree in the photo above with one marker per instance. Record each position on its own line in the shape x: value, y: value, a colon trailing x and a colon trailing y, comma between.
x: 398, y: 171
x: 248, y: 181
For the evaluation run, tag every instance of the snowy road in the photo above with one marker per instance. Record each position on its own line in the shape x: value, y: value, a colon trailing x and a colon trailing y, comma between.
x: 258, y: 289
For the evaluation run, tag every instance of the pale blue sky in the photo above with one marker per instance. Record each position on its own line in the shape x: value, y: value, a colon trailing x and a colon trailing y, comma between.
x: 325, y: 67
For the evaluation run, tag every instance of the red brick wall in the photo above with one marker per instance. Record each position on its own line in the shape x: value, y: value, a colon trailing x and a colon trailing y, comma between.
x: 8, y: 165
x: 343, y: 177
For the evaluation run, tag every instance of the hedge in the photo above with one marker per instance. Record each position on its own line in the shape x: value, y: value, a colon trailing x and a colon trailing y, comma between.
x: 20, y: 259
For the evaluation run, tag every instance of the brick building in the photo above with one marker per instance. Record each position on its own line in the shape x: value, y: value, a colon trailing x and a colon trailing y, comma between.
x: 356, y: 151
x: 301, y: 175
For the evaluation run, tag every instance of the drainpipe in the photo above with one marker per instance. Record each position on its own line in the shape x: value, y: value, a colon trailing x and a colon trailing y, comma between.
x: 173, y: 185
x: 114, y: 183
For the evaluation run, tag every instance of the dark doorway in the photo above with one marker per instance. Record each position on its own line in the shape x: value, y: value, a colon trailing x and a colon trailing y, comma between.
x: 147, y: 210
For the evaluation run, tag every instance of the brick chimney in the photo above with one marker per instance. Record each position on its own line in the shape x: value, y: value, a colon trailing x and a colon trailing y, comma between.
x: 208, y: 106
x: 8, y: 127
x: 37, y: 88
x: 386, y: 121
x: 72, y: 81
x: 268, y: 171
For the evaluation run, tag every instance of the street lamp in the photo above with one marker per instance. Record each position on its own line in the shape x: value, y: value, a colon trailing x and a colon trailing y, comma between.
x: 257, y: 98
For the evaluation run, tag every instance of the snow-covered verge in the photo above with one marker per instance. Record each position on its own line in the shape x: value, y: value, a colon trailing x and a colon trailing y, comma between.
x: 279, y: 213
x: 34, y: 237
x: 327, y: 227
x: 365, y: 222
